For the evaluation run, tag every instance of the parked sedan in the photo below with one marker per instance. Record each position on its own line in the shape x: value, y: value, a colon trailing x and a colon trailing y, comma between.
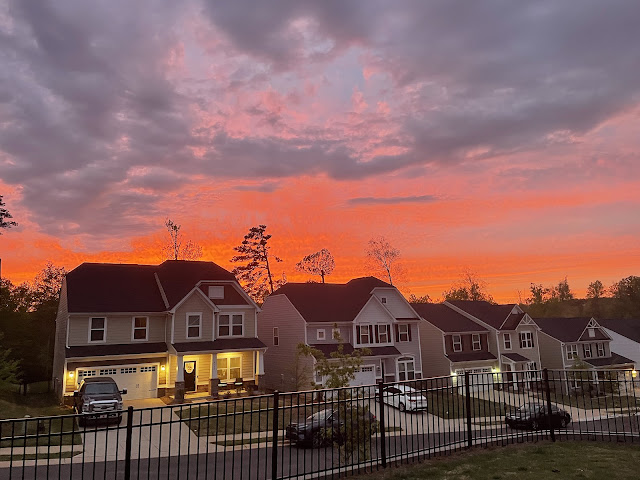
x: 328, y: 426
x: 536, y: 416
x: 404, y: 398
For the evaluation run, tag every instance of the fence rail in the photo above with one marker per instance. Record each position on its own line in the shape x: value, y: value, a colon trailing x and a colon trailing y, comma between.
x: 322, y: 433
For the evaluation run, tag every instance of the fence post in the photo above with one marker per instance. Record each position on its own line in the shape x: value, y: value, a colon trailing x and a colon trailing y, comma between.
x: 383, y: 433
x: 547, y: 389
x: 274, y: 438
x: 467, y: 394
x: 127, y: 454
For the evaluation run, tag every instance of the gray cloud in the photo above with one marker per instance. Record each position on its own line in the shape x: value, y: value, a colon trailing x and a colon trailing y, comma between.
x: 392, y: 200
x: 264, y: 187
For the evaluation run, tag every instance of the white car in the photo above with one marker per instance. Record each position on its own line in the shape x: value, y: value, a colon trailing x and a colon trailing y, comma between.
x: 404, y: 398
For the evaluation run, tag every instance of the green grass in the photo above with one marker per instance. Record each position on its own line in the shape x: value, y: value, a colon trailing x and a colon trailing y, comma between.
x: 18, y: 457
x: 447, y: 403
x: 570, y: 460
x: 604, y: 402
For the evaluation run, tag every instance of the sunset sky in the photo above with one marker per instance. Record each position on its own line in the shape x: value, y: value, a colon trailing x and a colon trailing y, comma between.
x: 498, y: 137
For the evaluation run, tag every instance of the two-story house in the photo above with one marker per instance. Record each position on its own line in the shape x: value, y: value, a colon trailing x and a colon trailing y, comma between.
x: 452, y: 344
x: 366, y: 312
x: 567, y: 341
x: 625, y: 336
x: 167, y: 329
x: 513, y: 337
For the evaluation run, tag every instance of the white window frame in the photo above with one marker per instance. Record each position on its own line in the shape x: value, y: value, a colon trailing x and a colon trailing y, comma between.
x: 321, y: 334
x: 134, y: 328
x: 572, y: 351
x: 474, y: 337
x: 586, y: 347
x: 506, y: 339
x: 276, y: 337
x: 601, y: 349
x: 216, y: 288
x: 454, y: 343
x: 406, y: 361
x: 387, y: 332
x: 526, y: 339
x: 364, y: 328
x: 228, y: 367
x: 404, y: 334
x: 186, y: 332
x: 103, y: 329
x: 231, y: 324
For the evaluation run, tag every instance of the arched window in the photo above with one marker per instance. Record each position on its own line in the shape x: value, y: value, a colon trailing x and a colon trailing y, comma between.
x: 406, y: 368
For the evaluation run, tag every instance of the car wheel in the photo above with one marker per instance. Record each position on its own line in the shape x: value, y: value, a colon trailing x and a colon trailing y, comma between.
x: 563, y: 422
x: 401, y: 407
x: 535, y: 425
x: 316, y: 440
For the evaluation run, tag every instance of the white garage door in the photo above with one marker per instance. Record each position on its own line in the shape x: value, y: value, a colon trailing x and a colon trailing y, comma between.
x: 366, y: 376
x: 140, y: 380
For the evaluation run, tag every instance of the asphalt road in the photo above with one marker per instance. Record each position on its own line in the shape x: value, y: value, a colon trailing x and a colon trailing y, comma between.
x: 254, y: 461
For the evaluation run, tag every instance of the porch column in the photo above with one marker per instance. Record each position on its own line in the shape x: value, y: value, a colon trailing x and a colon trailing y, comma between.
x: 213, y: 378
x: 260, y: 363
x: 179, y: 389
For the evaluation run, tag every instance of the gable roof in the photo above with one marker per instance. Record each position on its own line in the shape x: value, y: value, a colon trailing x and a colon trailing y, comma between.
x: 108, y: 287
x: 446, y: 319
x: 627, y: 327
x: 563, y: 329
x: 330, y: 302
x: 491, y: 314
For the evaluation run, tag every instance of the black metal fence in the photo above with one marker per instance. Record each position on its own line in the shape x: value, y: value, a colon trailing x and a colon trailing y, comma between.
x: 326, y: 432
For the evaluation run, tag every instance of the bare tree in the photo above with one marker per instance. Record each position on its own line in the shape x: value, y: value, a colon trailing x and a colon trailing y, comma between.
x: 4, y: 216
x: 383, y: 257
x: 319, y: 263
x: 175, y: 250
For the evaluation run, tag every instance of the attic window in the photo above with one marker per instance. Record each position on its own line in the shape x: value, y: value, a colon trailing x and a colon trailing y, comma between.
x: 592, y: 332
x: 216, y: 292
x: 383, y: 299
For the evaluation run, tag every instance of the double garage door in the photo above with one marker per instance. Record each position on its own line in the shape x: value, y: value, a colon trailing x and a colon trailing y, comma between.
x: 140, y: 380
x: 479, y: 379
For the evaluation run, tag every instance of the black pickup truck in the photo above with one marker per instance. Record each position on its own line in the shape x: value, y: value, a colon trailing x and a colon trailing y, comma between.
x: 98, y: 398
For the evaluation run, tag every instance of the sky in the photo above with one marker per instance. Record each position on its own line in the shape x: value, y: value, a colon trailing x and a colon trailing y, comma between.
x: 496, y: 137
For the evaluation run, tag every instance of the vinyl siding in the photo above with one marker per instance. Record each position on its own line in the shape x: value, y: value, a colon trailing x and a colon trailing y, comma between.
x: 280, y: 361
x: 411, y: 347
x: 58, y: 375
x: 550, y: 352
x: 193, y: 304
x: 395, y: 303
x: 249, y: 319
x: 624, y: 346
x: 467, y: 343
x: 119, y: 329
x: 434, y: 363
x: 373, y: 313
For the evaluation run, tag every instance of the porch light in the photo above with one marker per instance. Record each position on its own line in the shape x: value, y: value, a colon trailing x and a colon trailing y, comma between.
x: 495, y: 370
x: 162, y: 367
x: 634, y: 373
x: 71, y: 375
x: 454, y: 374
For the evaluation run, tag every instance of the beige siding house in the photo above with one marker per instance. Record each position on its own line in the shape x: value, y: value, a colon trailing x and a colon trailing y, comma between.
x: 170, y: 329
x: 365, y: 312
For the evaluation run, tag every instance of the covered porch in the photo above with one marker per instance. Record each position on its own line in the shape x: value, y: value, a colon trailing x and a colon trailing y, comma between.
x: 518, y: 372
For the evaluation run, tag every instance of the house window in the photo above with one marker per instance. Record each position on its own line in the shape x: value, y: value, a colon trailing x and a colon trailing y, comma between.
x: 216, y: 292
x: 193, y: 325
x: 475, y: 339
x: 572, y: 351
x: 526, y: 340
x: 140, y: 328
x: 229, y: 368
x: 601, y: 349
x: 403, y: 332
x: 97, y: 329
x: 457, y: 343
x: 231, y: 325
x: 406, y: 369
x: 586, y: 348
x: 364, y: 334
x: 382, y: 333
x: 320, y: 334
x: 507, y: 341
x: 276, y: 337
x: 592, y: 332
x: 383, y: 299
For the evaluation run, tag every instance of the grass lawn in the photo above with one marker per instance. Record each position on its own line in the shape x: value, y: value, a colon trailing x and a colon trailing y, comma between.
x: 604, y: 402
x: 447, y: 403
x: 561, y: 460
x: 41, y: 456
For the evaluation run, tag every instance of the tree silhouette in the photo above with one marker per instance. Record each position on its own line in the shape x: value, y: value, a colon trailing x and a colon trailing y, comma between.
x: 319, y: 263
x: 4, y: 216
x: 175, y: 250
x: 383, y: 257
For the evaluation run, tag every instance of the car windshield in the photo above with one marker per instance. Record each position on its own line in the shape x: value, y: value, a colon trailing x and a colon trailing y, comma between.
x: 100, y: 388
x: 320, y: 416
x: 529, y: 407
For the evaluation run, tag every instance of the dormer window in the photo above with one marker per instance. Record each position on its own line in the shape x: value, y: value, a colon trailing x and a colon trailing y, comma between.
x: 457, y: 343
x: 592, y: 332
x: 321, y: 334
x: 216, y: 292
x: 476, y: 342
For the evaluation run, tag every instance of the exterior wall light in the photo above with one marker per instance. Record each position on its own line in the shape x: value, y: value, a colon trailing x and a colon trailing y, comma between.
x: 634, y: 373
x: 162, y: 367
x: 70, y: 374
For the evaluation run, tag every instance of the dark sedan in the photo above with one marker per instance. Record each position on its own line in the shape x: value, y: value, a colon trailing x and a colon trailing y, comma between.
x: 327, y: 426
x: 536, y: 416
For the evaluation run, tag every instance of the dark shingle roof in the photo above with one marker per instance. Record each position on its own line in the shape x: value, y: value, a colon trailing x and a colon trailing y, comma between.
x: 470, y: 356
x: 516, y: 357
x: 330, y: 302
x: 489, y: 313
x: 563, y: 329
x: 512, y: 321
x: 107, y: 287
x: 627, y: 327
x: 615, y: 359
x: 328, y: 348
x: 446, y: 319
x: 117, y: 349
x: 220, y: 344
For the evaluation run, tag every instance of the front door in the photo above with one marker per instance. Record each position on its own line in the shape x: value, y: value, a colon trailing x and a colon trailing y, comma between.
x: 190, y: 376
